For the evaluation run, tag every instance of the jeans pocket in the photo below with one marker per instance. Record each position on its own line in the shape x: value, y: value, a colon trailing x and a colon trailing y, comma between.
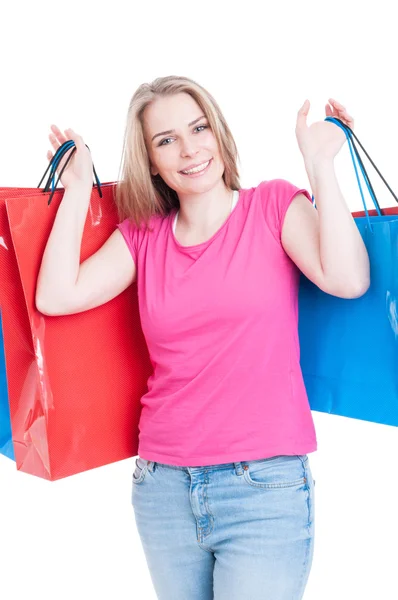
x: 141, y: 468
x: 276, y: 472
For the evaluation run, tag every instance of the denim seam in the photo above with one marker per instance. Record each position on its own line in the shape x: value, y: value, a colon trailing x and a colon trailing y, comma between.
x: 271, y: 486
x: 204, y: 548
x: 211, y: 529
x: 307, y: 487
x: 142, y: 475
x: 309, y: 524
x: 305, y: 567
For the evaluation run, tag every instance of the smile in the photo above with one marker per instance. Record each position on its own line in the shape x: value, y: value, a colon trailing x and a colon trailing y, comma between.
x: 199, y: 169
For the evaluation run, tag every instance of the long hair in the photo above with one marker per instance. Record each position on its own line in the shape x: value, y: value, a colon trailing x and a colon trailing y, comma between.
x: 140, y: 195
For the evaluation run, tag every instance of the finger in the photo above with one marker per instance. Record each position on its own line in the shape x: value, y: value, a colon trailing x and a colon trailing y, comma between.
x: 328, y: 110
x: 302, y: 114
x: 334, y: 102
x: 349, y: 121
x: 54, y: 142
x: 346, y: 118
x: 58, y: 134
x: 72, y: 135
x: 342, y: 112
x: 334, y: 109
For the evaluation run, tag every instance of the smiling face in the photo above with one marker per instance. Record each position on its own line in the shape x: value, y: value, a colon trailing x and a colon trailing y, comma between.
x: 186, y: 139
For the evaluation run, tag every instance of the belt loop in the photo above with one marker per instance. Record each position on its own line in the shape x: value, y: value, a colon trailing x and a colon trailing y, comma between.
x: 238, y: 468
x: 151, y: 465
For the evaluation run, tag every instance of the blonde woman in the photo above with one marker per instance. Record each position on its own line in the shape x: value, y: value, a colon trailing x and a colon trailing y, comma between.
x: 222, y: 489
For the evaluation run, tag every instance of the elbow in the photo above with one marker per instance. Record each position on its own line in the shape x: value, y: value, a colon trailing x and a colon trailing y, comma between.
x: 41, y: 307
x: 55, y: 308
x: 359, y: 290
x: 348, y: 291
x: 44, y: 307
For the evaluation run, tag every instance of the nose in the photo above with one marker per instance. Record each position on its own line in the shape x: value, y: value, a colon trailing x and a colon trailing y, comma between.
x: 188, y: 148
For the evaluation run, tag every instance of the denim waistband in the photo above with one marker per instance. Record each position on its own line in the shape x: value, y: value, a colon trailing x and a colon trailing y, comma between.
x: 142, y: 462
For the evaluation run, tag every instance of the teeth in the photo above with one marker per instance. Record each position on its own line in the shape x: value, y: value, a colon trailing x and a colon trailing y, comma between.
x: 197, y: 169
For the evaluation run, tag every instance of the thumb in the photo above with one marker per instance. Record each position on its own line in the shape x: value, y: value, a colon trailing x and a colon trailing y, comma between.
x: 302, y: 114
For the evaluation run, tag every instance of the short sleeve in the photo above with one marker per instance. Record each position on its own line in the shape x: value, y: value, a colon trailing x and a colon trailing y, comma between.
x: 129, y: 232
x: 276, y: 197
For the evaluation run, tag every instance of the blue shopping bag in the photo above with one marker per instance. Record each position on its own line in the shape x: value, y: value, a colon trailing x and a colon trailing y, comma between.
x: 349, y: 347
x: 6, y: 445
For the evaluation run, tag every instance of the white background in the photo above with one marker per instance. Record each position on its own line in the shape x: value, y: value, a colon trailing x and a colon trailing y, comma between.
x: 77, y: 64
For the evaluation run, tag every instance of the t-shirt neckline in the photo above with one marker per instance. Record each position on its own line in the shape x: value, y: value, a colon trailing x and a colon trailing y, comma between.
x: 235, y: 203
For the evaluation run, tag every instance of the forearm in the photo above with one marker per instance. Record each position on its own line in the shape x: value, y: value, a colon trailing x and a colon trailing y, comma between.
x: 61, y: 259
x: 344, y: 257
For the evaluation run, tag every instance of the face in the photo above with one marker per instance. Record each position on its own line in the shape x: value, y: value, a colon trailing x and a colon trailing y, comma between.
x: 190, y: 143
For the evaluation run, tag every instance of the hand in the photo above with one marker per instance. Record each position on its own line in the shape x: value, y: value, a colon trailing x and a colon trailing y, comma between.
x: 322, y: 140
x: 80, y: 167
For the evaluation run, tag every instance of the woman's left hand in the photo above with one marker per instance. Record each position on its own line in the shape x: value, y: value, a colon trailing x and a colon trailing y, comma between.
x: 322, y: 140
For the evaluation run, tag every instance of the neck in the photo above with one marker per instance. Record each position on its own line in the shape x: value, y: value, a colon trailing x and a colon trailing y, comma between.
x: 203, y: 211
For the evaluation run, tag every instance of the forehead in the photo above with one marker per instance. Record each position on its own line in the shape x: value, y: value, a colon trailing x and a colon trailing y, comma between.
x: 169, y: 112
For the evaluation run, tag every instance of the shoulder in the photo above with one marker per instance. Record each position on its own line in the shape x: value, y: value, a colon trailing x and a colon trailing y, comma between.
x: 137, y: 235
x: 280, y: 192
x: 275, y: 197
x: 154, y: 223
x: 278, y: 188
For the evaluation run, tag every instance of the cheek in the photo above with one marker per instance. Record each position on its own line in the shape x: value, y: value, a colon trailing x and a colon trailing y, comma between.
x: 166, y: 160
x: 211, y: 139
x: 212, y: 146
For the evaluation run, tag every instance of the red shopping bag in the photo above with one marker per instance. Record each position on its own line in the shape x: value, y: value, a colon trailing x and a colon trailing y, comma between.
x: 74, y: 381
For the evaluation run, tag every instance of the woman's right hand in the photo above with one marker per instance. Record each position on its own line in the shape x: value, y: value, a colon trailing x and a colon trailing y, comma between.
x: 80, y: 167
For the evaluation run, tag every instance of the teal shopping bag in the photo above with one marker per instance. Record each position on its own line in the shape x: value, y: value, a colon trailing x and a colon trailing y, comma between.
x: 349, y: 347
x: 6, y: 445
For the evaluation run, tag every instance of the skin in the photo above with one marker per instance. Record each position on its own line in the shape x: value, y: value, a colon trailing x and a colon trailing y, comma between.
x: 205, y: 202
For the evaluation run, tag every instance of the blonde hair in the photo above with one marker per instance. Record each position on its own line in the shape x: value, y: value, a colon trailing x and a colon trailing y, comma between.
x: 140, y: 195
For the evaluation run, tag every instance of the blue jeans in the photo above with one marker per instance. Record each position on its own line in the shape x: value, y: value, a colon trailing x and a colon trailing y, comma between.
x: 233, y: 531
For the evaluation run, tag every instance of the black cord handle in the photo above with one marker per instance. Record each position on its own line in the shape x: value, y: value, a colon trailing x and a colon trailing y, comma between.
x: 52, y: 166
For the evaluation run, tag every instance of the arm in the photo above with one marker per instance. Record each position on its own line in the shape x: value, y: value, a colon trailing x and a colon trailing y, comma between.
x: 64, y: 285
x: 326, y: 244
x: 60, y: 263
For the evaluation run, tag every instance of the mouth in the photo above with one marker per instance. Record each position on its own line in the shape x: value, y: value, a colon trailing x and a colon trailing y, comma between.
x: 199, y: 170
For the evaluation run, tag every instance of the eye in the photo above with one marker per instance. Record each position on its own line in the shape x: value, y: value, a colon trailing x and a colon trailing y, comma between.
x: 165, y: 140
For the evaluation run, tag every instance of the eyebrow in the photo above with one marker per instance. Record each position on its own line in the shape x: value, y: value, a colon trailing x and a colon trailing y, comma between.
x: 173, y: 130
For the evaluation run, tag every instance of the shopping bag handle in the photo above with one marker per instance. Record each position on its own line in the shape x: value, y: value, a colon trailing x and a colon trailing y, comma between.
x: 352, y: 134
x: 356, y: 156
x: 54, y: 162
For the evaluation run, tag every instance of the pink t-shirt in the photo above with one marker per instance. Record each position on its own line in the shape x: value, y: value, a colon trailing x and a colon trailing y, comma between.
x: 221, y: 323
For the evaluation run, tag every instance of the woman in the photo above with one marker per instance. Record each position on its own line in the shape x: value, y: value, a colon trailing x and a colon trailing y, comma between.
x: 223, y: 493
